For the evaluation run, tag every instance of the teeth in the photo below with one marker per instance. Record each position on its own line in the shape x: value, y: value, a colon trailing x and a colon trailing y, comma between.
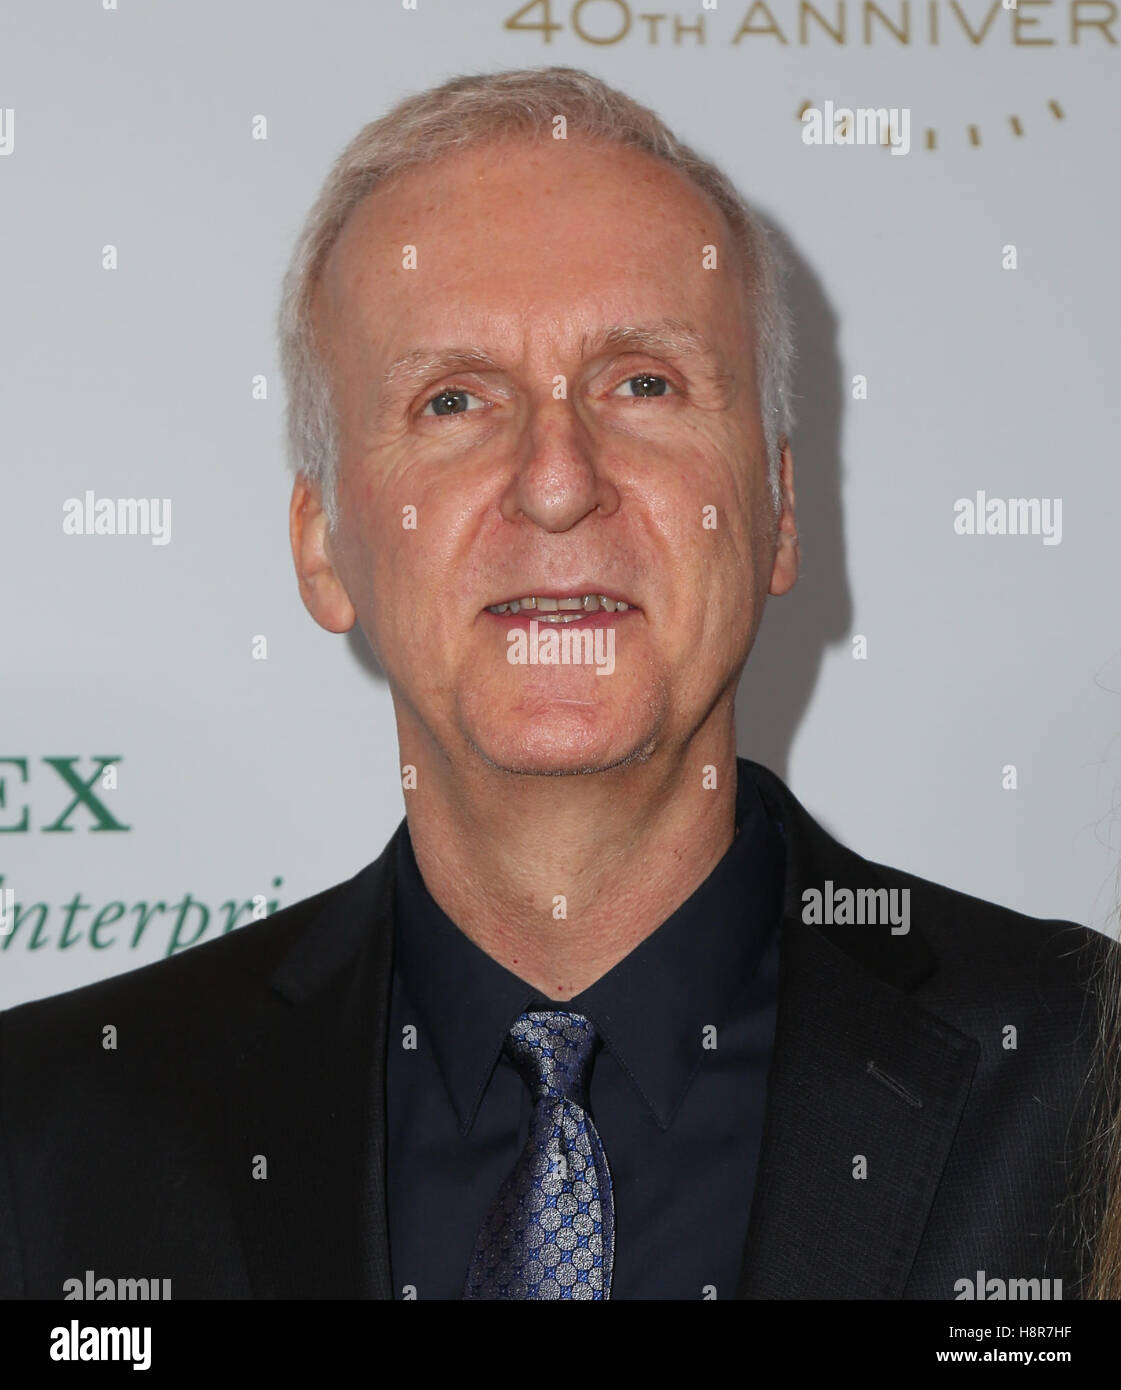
x: 562, y: 610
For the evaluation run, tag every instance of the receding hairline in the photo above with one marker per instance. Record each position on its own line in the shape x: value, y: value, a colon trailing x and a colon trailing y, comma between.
x: 745, y: 268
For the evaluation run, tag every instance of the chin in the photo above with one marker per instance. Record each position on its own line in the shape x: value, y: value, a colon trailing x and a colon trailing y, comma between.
x: 565, y: 747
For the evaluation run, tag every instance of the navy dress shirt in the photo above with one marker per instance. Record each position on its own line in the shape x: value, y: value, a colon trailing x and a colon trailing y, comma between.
x: 677, y: 1091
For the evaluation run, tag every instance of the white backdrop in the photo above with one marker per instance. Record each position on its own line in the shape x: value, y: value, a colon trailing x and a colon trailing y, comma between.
x: 133, y: 127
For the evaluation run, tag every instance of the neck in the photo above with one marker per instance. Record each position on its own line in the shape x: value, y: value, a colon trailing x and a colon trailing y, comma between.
x: 559, y: 878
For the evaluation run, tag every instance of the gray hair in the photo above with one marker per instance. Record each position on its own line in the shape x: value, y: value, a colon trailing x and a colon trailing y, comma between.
x: 468, y: 110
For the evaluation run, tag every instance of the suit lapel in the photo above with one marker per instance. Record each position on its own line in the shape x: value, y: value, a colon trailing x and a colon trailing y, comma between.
x: 858, y: 1070
x: 308, y: 1096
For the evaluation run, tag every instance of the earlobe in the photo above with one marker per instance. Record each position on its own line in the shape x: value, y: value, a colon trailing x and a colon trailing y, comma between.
x: 321, y: 589
x: 784, y: 573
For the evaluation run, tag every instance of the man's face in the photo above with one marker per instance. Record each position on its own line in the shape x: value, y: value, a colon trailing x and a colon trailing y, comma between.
x: 565, y: 464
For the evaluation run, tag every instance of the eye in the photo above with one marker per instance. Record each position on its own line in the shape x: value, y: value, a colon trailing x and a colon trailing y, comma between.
x: 646, y: 384
x: 451, y: 401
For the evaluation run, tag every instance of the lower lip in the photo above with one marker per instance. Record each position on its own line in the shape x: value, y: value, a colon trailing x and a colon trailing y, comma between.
x: 592, y: 620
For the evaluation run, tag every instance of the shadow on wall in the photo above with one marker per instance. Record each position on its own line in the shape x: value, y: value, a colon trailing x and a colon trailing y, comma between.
x: 782, y: 669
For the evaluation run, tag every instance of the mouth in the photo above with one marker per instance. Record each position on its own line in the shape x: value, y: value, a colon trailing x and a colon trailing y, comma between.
x: 561, y: 608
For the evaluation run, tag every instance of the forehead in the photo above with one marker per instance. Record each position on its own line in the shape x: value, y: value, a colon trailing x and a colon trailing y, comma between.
x: 526, y: 235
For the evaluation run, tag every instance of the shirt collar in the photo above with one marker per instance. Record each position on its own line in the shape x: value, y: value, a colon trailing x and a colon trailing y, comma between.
x: 650, y: 1009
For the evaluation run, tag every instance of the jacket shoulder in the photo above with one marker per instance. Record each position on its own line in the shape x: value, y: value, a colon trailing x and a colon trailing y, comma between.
x: 991, y: 942
x: 219, y: 969
x: 982, y: 951
x: 219, y: 982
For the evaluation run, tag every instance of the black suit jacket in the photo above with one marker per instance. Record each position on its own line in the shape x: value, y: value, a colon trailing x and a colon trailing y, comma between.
x: 269, y: 1045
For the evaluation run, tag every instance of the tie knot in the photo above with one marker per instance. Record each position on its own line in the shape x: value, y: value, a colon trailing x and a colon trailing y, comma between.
x: 554, y: 1051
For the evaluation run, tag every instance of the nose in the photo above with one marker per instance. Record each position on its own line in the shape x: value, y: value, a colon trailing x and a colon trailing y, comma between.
x: 558, y: 477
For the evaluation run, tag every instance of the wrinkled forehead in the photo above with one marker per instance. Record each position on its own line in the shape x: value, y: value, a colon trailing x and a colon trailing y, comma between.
x: 554, y: 237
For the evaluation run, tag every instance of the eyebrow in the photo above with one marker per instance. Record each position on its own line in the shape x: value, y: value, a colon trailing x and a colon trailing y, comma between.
x: 422, y: 362
x: 667, y: 337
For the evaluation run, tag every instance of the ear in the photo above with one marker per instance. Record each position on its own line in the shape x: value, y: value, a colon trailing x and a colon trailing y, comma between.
x: 321, y: 589
x: 785, y: 570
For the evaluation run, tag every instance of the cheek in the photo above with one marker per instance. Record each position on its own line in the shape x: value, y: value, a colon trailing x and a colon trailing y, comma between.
x: 383, y: 524
x: 714, y: 523
x: 401, y: 551
x: 366, y: 551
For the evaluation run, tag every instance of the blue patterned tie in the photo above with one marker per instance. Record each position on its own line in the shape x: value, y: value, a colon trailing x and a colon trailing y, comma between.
x: 551, y: 1230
